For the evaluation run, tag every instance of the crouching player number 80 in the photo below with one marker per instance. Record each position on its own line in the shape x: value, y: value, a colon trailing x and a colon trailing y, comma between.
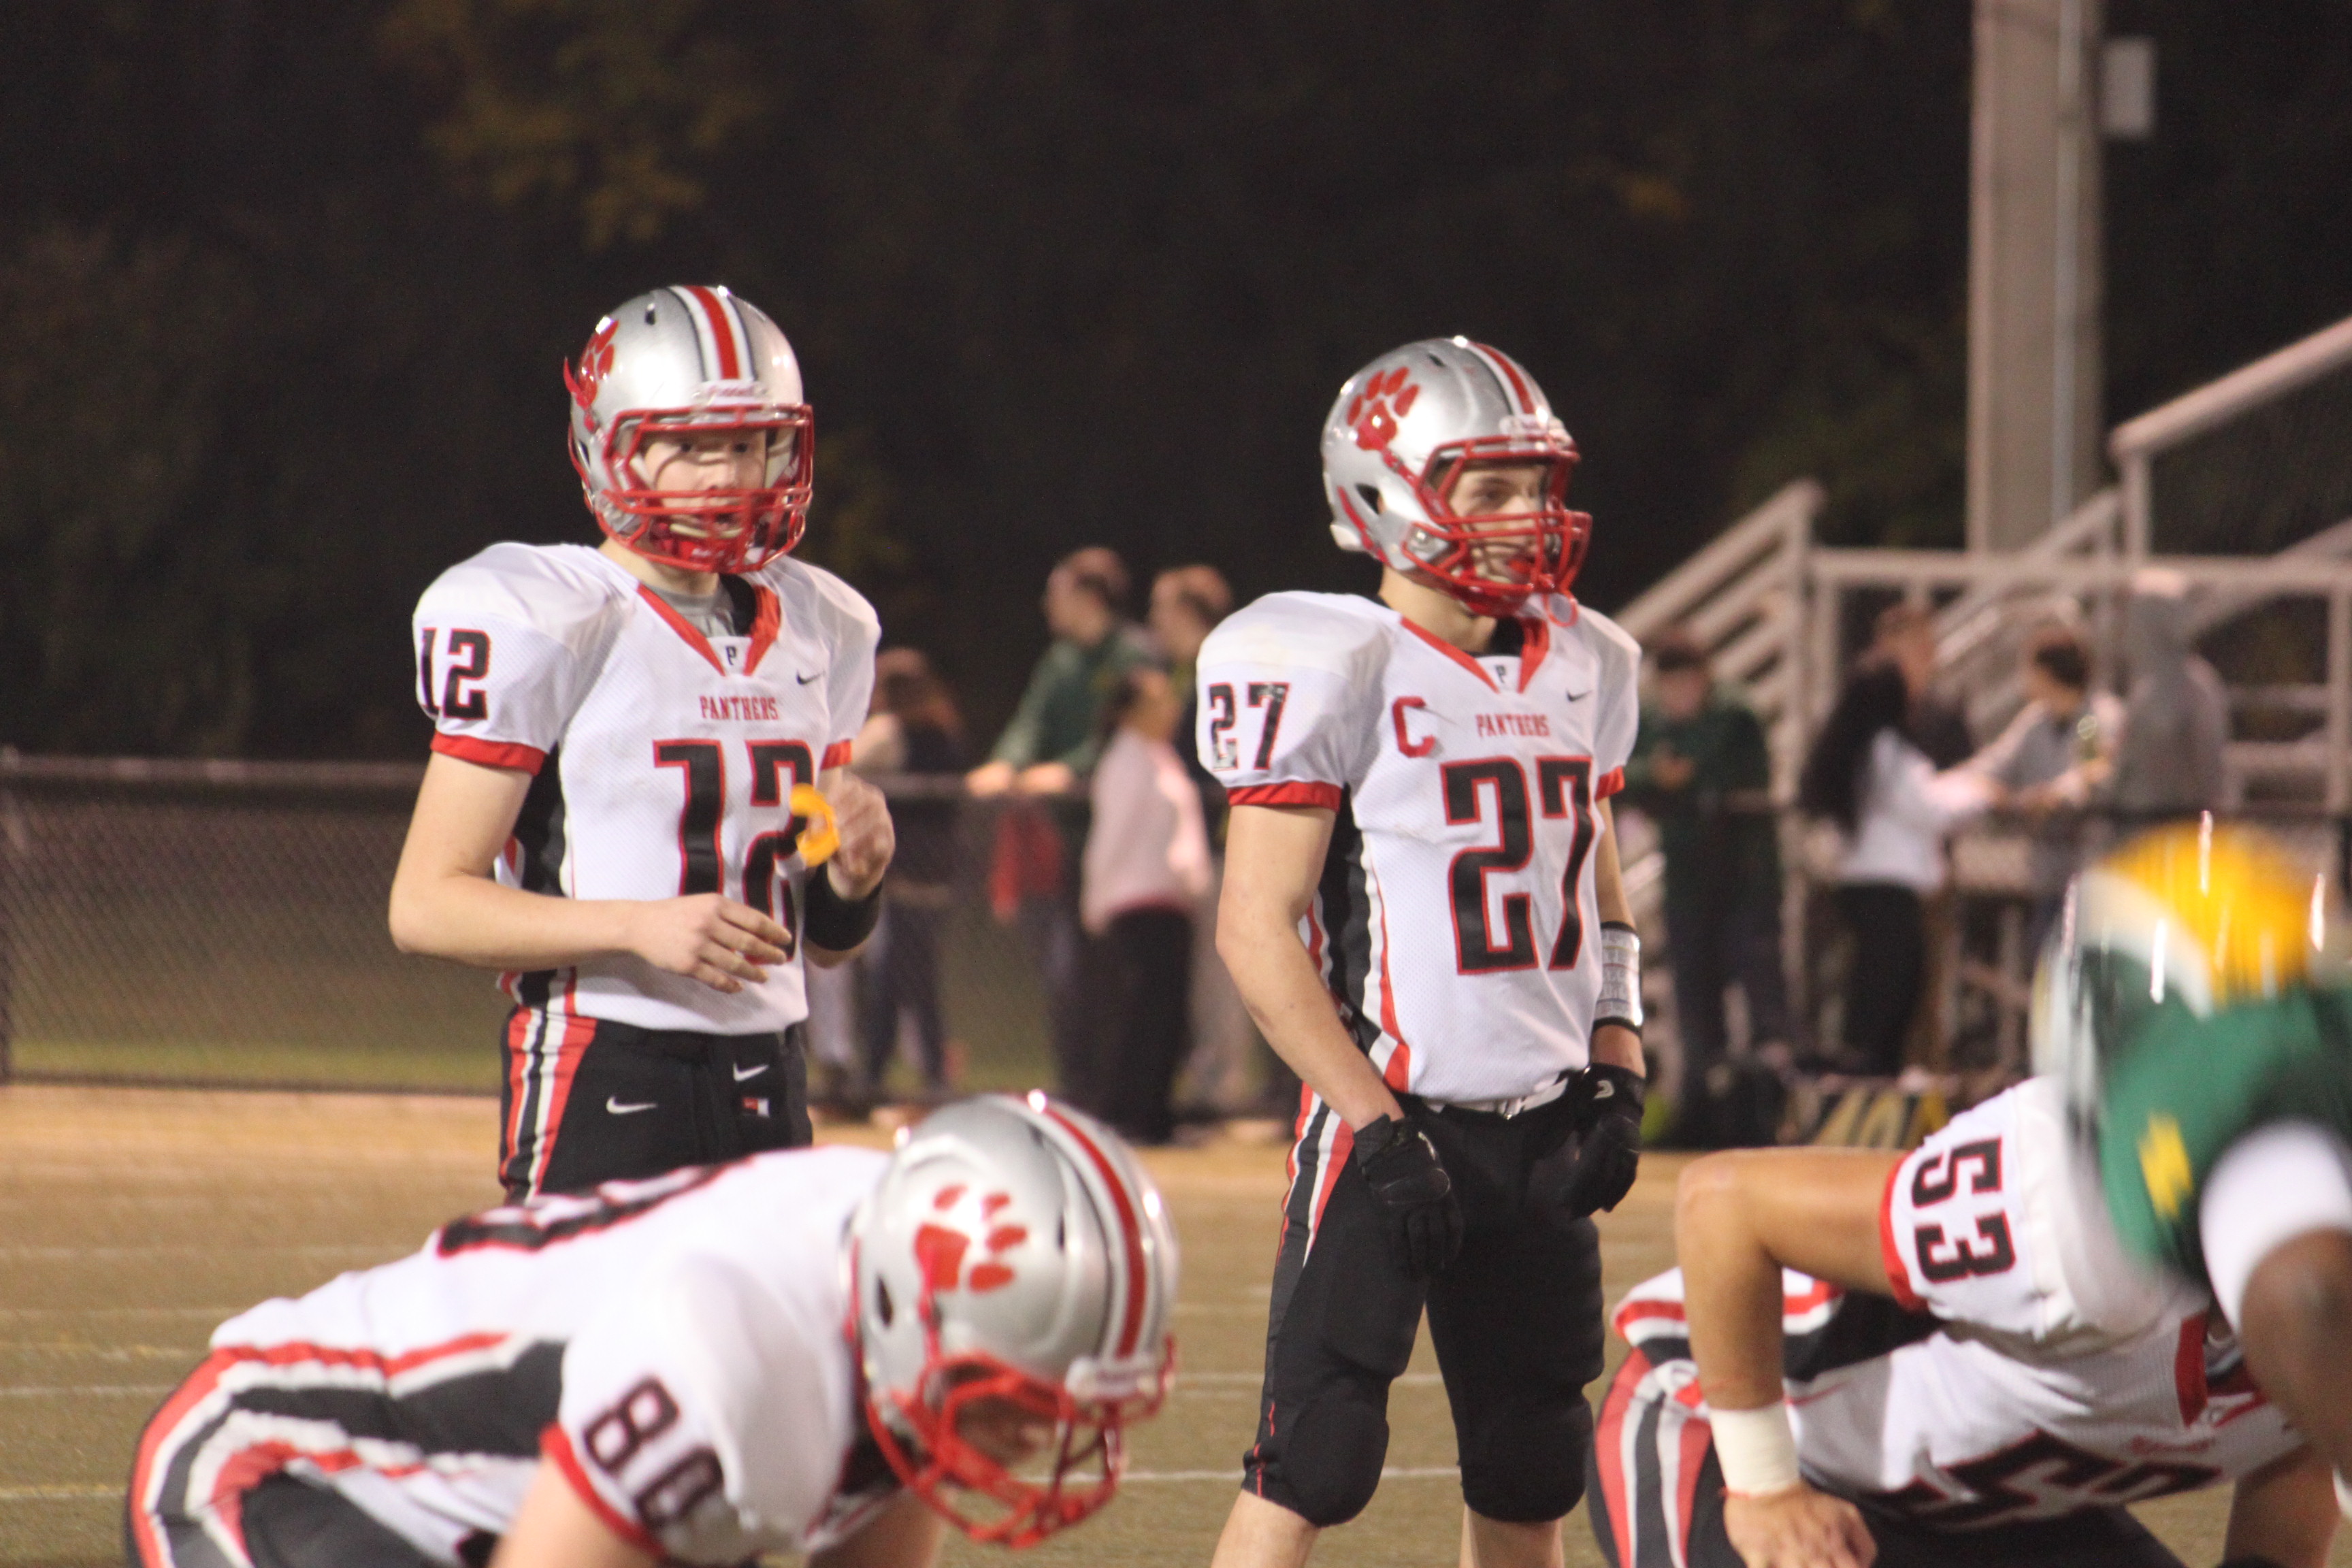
x: 829, y: 1351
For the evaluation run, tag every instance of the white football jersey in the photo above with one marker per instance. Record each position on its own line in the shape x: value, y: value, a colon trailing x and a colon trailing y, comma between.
x: 665, y: 759
x: 1989, y: 1392
x: 1456, y: 923
x: 674, y: 1346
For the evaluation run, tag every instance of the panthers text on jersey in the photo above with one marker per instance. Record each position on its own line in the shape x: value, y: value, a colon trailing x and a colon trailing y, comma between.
x: 664, y: 759
x: 673, y: 1346
x: 2023, y: 1371
x: 1456, y: 922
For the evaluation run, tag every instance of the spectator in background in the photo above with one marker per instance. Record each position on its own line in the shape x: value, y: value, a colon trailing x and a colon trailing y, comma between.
x: 1186, y: 603
x: 2177, y: 715
x: 1868, y: 777
x: 1701, y: 750
x: 2056, y: 754
x: 1904, y: 636
x: 914, y: 731
x: 1054, y: 738
x: 1146, y: 871
x: 1054, y: 735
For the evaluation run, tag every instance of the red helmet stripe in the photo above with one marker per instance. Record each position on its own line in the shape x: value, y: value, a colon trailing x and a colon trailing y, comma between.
x: 1131, y: 1328
x: 718, y: 325
x: 1504, y: 371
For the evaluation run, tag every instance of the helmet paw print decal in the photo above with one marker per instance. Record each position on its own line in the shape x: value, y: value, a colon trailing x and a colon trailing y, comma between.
x: 596, y: 363
x: 1386, y: 398
x: 942, y: 1245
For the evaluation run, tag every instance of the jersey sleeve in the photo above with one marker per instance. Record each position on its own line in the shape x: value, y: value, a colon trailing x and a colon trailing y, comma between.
x: 659, y: 1429
x: 1954, y: 1229
x: 1287, y: 690
x: 852, y: 632
x: 505, y: 653
x: 1618, y: 690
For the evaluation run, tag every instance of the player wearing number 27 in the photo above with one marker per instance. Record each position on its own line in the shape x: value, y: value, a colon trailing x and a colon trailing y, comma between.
x: 1422, y: 908
x: 608, y: 814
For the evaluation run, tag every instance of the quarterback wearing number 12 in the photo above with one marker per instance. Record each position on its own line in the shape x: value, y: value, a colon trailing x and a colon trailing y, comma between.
x: 608, y: 816
x: 1422, y: 907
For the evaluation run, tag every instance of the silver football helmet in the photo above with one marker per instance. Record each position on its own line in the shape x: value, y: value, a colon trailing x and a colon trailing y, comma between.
x: 1406, y: 426
x: 684, y: 365
x: 1014, y: 1262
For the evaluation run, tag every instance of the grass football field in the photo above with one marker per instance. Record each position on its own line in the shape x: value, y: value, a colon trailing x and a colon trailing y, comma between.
x: 133, y: 1220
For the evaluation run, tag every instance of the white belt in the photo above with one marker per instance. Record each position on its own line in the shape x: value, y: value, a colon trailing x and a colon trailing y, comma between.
x: 1506, y: 1108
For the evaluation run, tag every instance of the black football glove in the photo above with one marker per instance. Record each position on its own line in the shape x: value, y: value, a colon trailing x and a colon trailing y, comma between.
x: 1416, y: 1195
x: 1594, y: 1169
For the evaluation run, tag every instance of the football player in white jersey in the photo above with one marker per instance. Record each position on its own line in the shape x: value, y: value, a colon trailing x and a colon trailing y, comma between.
x: 1945, y: 1357
x: 608, y: 813
x: 1422, y: 908
x: 824, y: 1351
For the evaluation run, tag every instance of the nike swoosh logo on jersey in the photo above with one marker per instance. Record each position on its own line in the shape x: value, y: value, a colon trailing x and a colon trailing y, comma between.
x: 742, y: 1073
x: 804, y: 680
x: 617, y: 1107
x: 1577, y: 696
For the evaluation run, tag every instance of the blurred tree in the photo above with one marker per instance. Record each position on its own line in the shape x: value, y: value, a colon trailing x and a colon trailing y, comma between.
x: 1058, y: 270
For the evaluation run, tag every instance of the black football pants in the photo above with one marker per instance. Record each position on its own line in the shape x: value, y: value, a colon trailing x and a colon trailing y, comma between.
x: 585, y: 1100
x: 1515, y: 1318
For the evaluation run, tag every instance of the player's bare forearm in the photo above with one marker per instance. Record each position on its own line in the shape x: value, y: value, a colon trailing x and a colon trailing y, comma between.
x: 2297, y: 1304
x: 1274, y: 856
x: 1613, y: 1043
x: 554, y: 1529
x: 2284, y: 1513
x: 1742, y: 1216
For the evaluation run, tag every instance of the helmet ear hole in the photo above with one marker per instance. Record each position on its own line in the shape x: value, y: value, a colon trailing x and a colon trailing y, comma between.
x: 883, y: 1307
x: 1371, y: 496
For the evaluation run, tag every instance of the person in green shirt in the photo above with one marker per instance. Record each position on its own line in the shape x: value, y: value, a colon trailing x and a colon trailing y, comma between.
x: 1054, y: 736
x: 1044, y: 755
x: 2196, y: 1005
x: 1701, y: 772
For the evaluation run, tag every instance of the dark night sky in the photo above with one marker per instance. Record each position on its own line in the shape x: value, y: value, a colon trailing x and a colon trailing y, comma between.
x: 294, y: 279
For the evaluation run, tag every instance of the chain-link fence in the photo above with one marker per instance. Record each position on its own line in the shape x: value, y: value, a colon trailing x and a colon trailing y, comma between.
x: 195, y: 922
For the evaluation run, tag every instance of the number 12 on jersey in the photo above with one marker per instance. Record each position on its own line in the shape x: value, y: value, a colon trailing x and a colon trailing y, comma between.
x: 703, y: 765
x: 1563, y: 789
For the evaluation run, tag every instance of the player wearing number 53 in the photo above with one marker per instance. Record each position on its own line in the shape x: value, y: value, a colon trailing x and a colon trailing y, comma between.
x: 607, y: 817
x: 1422, y: 908
x: 824, y: 1351
x: 1942, y: 1358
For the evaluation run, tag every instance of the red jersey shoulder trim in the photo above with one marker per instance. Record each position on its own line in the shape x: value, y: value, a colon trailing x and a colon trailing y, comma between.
x: 766, y: 622
x: 491, y: 754
x: 556, y: 1444
x: 1326, y: 795
x: 1609, y: 784
x: 835, y: 756
x: 1899, y: 1274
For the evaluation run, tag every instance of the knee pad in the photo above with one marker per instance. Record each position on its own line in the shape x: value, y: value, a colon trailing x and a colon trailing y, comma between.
x: 1331, y: 1458
x: 1528, y: 1465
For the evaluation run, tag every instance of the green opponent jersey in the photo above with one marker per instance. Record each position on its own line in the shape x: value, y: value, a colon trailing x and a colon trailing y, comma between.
x: 2187, y: 1087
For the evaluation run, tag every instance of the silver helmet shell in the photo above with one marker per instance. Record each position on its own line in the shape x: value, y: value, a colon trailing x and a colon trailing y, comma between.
x: 1400, y: 431
x: 1015, y: 1249
x: 683, y: 363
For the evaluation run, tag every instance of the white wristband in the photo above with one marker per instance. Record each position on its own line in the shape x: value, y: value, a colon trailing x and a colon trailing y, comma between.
x: 1620, y: 976
x: 1757, y: 1450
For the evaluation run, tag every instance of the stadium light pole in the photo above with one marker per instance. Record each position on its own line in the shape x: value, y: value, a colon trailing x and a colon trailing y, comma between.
x: 2035, y: 269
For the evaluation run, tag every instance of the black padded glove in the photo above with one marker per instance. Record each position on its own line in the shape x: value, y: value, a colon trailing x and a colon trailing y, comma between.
x: 1595, y: 1168
x: 1415, y: 1195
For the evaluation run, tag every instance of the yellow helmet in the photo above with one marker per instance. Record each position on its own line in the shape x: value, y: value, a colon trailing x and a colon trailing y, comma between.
x: 2191, y: 915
